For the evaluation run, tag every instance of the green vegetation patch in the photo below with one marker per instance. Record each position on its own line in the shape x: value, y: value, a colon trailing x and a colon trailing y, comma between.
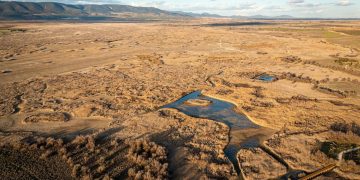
x: 321, y: 33
x: 347, y: 62
x: 346, y: 41
x: 332, y: 149
x: 5, y: 31
x: 330, y: 34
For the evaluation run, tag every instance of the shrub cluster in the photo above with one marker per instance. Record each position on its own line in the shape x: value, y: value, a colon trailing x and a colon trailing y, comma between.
x: 337, y: 92
x: 53, y: 116
x: 291, y: 59
x: 332, y: 150
x: 347, y: 61
x: 300, y: 78
x: 345, y: 127
x: 352, y: 71
x: 87, y: 141
x: 258, y: 93
x: 150, y: 160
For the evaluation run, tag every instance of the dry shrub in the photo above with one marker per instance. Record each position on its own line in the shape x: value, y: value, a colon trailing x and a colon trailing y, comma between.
x: 101, y: 160
x: 172, y: 114
x: 325, y: 80
x: 355, y: 128
x: 101, y: 168
x: 85, y: 171
x: 85, y: 141
x: 346, y: 61
x: 47, y: 117
x: 291, y: 59
x: 70, y: 162
x: 258, y: 93
x: 76, y: 170
x: 332, y: 150
x: 87, y: 177
x: 114, y: 142
x: 64, y: 157
x: 303, y: 98
x: 50, y: 142
x: 60, y: 142
x: 79, y: 140
x: 132, y: 172
x: 345, y: 127
x: 33, y: 147
x: 97, y: 151
x: 107, y: 177
x: 91, y: 143
x: 257, y: 103
x: 261, y: 52
x: 47, y: 154
x: 225, y: 91
x: 40, y: 141
x: 333, y: 91
x: 150, y: 160
x: 63, y: 151
x: 297, y: 78
x: 86, y: 158
x: 247, y: 108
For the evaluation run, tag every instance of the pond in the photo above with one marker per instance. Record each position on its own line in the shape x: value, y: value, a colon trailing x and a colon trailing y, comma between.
x: 266, y: 78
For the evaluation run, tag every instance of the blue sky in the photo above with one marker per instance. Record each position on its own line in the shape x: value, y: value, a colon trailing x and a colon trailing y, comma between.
x: 297, y: 8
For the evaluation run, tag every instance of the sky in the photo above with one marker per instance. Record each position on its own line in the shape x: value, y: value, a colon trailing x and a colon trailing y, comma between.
x: 296, y: 8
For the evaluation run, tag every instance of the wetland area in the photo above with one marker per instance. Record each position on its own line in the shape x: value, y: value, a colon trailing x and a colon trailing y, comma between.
x: 203, y: 98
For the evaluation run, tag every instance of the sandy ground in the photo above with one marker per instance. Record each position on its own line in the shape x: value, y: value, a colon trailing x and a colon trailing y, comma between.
x: 63, y: 80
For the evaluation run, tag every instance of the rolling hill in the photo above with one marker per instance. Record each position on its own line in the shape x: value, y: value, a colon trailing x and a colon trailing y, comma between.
x: 52, y: 10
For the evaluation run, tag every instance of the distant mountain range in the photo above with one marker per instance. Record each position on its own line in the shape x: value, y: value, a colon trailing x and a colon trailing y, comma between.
x: 238, y: 17
x: 12, y: 10
x: 52, y: 10
x: 199, y: 15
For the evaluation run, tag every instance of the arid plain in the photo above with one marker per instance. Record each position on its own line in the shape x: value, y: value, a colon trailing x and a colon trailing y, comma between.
x: 84, y: 100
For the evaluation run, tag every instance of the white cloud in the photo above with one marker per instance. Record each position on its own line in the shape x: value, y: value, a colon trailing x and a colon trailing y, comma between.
x: 296, y: 1
x: 199, y: 6
x: 344, y: 3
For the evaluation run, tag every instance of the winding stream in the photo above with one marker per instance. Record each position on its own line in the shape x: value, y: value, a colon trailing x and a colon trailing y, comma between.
x: 243, y: 132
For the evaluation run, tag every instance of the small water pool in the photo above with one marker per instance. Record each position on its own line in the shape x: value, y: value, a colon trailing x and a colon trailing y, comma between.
x: 217, y: 110
x: 266, y: 78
